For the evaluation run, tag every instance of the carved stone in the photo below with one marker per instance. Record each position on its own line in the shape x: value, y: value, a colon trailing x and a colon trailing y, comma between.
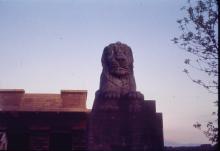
x: 118, y: 117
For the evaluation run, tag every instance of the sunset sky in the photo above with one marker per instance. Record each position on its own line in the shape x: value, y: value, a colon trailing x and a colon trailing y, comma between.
x: 49, y: 45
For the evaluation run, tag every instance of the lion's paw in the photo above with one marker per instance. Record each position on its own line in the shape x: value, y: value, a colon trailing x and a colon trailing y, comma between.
x: 109, y: 107
x: 135, y: 95
x: 111, y: 95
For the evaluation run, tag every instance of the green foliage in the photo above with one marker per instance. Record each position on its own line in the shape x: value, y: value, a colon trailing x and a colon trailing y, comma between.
x: 199, y: 37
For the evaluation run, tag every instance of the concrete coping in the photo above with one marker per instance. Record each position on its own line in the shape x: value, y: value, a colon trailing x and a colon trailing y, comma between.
x: 12, y: 91
x: 73, y: 91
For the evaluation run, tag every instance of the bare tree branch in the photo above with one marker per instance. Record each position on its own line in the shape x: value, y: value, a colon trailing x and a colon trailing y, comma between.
x: 199, y: 37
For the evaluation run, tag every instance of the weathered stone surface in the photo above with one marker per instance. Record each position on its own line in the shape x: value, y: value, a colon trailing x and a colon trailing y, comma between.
x: 34, y: 121
x: 40, y: 102
x: 10, y: 98
x: 117, y: 74
x: 74, y: 98
x: 117, y: 79
x: 18, y: 100
x: 120, y: 118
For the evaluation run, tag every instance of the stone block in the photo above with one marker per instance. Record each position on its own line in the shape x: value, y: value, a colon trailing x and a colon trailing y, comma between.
x: 122, y: 129
x: 40, y: 102
x: 10, y: 99
x: 150, y: 106
x: 159, y: 130
x: 74, y: 98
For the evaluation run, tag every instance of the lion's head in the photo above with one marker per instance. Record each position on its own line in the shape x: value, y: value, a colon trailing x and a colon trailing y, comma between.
x: 117, y: 59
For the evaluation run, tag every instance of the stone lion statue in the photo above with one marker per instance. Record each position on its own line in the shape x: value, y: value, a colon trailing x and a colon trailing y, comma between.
x: 116, y: 101
x: 117, y: 78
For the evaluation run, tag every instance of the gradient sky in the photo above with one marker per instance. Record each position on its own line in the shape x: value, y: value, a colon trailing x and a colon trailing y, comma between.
x: 49, y: 45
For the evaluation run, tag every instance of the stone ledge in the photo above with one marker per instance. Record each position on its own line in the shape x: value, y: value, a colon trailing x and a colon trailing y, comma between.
x: 73, y: 91
x: 18, y: 100
x: 12, y: 91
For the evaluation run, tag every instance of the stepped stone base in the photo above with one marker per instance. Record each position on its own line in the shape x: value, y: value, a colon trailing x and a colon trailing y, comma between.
x: 124, y: 129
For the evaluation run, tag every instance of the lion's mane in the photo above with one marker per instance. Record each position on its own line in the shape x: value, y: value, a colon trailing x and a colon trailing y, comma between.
x: 117, y: 74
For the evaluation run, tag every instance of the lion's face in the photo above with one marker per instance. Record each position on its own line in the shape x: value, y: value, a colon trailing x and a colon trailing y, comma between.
x: 117, y: 59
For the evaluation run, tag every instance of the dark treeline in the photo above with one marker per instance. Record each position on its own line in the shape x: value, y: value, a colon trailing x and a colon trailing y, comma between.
x: 192, y: 148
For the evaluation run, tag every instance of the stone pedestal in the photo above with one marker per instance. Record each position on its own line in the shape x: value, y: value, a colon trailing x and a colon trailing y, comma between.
x: 123, y: 124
